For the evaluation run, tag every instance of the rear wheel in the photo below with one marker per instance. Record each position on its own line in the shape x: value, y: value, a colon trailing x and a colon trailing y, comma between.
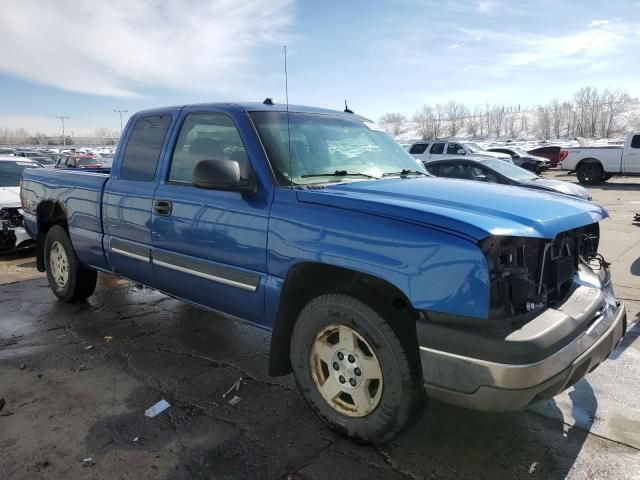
x: 590, y: 173
x: 353, y: 369
x: 68, y: 279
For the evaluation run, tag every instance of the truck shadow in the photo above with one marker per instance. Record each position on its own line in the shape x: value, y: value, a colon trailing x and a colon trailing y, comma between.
x: 459, y: 443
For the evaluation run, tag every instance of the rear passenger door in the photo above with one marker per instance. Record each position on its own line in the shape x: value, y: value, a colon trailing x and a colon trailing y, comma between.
x: 209, y: 246
x: 128, y: 197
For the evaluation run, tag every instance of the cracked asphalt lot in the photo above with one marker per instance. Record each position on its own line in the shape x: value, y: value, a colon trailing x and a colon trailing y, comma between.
x: 76, y: 380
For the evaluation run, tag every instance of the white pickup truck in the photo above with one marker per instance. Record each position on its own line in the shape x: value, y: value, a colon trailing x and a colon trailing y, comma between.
x: 598, y: 164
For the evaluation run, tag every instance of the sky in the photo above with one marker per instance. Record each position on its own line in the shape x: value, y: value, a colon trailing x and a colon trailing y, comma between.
x: 84, y: 58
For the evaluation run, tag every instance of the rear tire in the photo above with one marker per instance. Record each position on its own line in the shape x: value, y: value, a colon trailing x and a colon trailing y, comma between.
x: 353, y: 369
x: 590, y: 173
x: 68, y: 279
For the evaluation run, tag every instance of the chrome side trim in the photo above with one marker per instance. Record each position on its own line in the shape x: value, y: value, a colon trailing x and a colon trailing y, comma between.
x: 225, y: 281
x: 131, y: 255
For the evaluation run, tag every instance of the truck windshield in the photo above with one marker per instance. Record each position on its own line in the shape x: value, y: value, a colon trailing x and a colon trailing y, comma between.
x: 329, y: 148
x: 10, y: 172
x: 474, y: 147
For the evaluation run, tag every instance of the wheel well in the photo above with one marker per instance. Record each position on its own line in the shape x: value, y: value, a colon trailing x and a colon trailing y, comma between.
x: 588, y: 160
x: 48, y: 214
x: 306, y: 281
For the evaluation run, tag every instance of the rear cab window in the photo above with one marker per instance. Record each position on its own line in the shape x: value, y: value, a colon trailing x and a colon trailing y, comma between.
x: 143, y: 149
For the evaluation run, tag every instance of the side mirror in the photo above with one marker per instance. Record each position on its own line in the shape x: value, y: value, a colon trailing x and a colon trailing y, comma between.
x: 221, y: 175
x: 461, y: 151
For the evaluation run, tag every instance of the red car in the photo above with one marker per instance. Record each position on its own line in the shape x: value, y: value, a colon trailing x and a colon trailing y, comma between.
x: 552, y: 153
x: 78, y: 161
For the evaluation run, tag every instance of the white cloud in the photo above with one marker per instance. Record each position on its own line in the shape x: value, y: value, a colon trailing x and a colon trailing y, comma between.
x: 455, y: 45
x: 598, y: 23
x: 588, y: 47
x: 122, y: 47
x: 485, y: 6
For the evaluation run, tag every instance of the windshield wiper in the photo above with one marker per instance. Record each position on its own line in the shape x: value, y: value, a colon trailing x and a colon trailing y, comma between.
x: 338, y: 173
x: 404, y: 173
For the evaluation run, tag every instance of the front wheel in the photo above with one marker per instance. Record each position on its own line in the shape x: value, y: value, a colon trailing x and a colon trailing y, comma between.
x: 590, y: 173
x: 68, y: 279
x: 353, y: 369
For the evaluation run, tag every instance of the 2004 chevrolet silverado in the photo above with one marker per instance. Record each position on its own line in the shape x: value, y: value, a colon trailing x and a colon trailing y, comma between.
x: 378, y: 282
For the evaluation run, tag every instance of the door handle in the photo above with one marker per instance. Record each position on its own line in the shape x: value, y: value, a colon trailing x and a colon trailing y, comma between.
x: 162, y: 208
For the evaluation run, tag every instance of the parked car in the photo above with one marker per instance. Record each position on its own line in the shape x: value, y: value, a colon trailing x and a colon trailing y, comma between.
x: 496, y: 171
x: 598, y: 164
x: 78, y: 161
x: 427, y: 150
x: 376, y: 279
x: 13, y: 236
x: 523, y: 159
x: 7, y: 151
x: 551, y: 153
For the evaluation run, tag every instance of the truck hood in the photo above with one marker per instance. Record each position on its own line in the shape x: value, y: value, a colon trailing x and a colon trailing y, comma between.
x: 473, y: 209
x: 9, y: 197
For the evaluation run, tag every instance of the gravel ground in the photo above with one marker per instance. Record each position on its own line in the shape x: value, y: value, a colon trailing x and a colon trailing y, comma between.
x: 77, y: 379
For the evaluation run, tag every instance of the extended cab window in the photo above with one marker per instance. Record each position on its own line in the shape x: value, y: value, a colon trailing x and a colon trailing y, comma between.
x: 635, y: 141
x: 206, y: 137
x: 419, y: 148
x: 143, y: 149
x: 437, y: 149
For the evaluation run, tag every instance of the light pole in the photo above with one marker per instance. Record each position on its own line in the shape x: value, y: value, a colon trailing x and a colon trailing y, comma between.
x: 121, y: 112
x: 62, y: 119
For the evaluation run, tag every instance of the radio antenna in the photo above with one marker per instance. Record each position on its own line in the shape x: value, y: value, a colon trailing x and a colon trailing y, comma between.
x: 286, y: 92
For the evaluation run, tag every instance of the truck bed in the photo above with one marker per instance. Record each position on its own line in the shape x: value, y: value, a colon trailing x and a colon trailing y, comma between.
x: 79, y: 193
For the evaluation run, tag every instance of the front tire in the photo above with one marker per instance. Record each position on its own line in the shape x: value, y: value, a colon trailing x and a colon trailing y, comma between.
x: 353, y: 369
x: 590, y: 173
x: 68, y: 279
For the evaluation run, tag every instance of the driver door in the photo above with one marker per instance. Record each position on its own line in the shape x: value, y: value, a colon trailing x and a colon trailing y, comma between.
x: 209, y: 246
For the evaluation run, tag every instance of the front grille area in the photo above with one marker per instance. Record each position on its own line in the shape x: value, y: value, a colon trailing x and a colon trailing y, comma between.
x: 527, y: 274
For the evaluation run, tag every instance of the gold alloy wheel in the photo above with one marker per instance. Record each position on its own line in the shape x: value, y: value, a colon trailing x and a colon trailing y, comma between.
x: 346, y: 371
x: 59, y: 264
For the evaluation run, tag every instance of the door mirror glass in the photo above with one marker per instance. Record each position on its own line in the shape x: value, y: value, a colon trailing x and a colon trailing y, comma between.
x: 220, y: 175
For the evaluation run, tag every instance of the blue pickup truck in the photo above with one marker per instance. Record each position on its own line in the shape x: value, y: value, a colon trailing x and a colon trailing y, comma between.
x: 382, y: 286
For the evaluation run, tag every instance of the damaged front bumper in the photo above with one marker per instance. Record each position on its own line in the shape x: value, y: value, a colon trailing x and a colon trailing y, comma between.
x: 14, y: 238
x: 551, y: 352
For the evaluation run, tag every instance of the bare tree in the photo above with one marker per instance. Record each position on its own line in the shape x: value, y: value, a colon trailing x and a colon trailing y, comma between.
x: 456, y: 113
x: 544, y: 123
x: 393, y: 123
x: 557, y: 116
x: 423, y: 117
x: 613, y: 104
x: 474, y: 121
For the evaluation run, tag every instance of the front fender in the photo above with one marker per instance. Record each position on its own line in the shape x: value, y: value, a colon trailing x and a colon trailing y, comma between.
x: 436, y: 271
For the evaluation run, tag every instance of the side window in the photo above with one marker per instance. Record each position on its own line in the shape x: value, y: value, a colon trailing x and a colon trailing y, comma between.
x: 206, y: 137
x: 418, y: 148
x: 455, y: 171
x: 635, y: 141
x: 437, y: 149
x: 452, y: 149
x: 143, y: 149
x: 432, y: 169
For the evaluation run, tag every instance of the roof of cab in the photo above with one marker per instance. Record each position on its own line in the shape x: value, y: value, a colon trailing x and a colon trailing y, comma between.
x: 257, y: 107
